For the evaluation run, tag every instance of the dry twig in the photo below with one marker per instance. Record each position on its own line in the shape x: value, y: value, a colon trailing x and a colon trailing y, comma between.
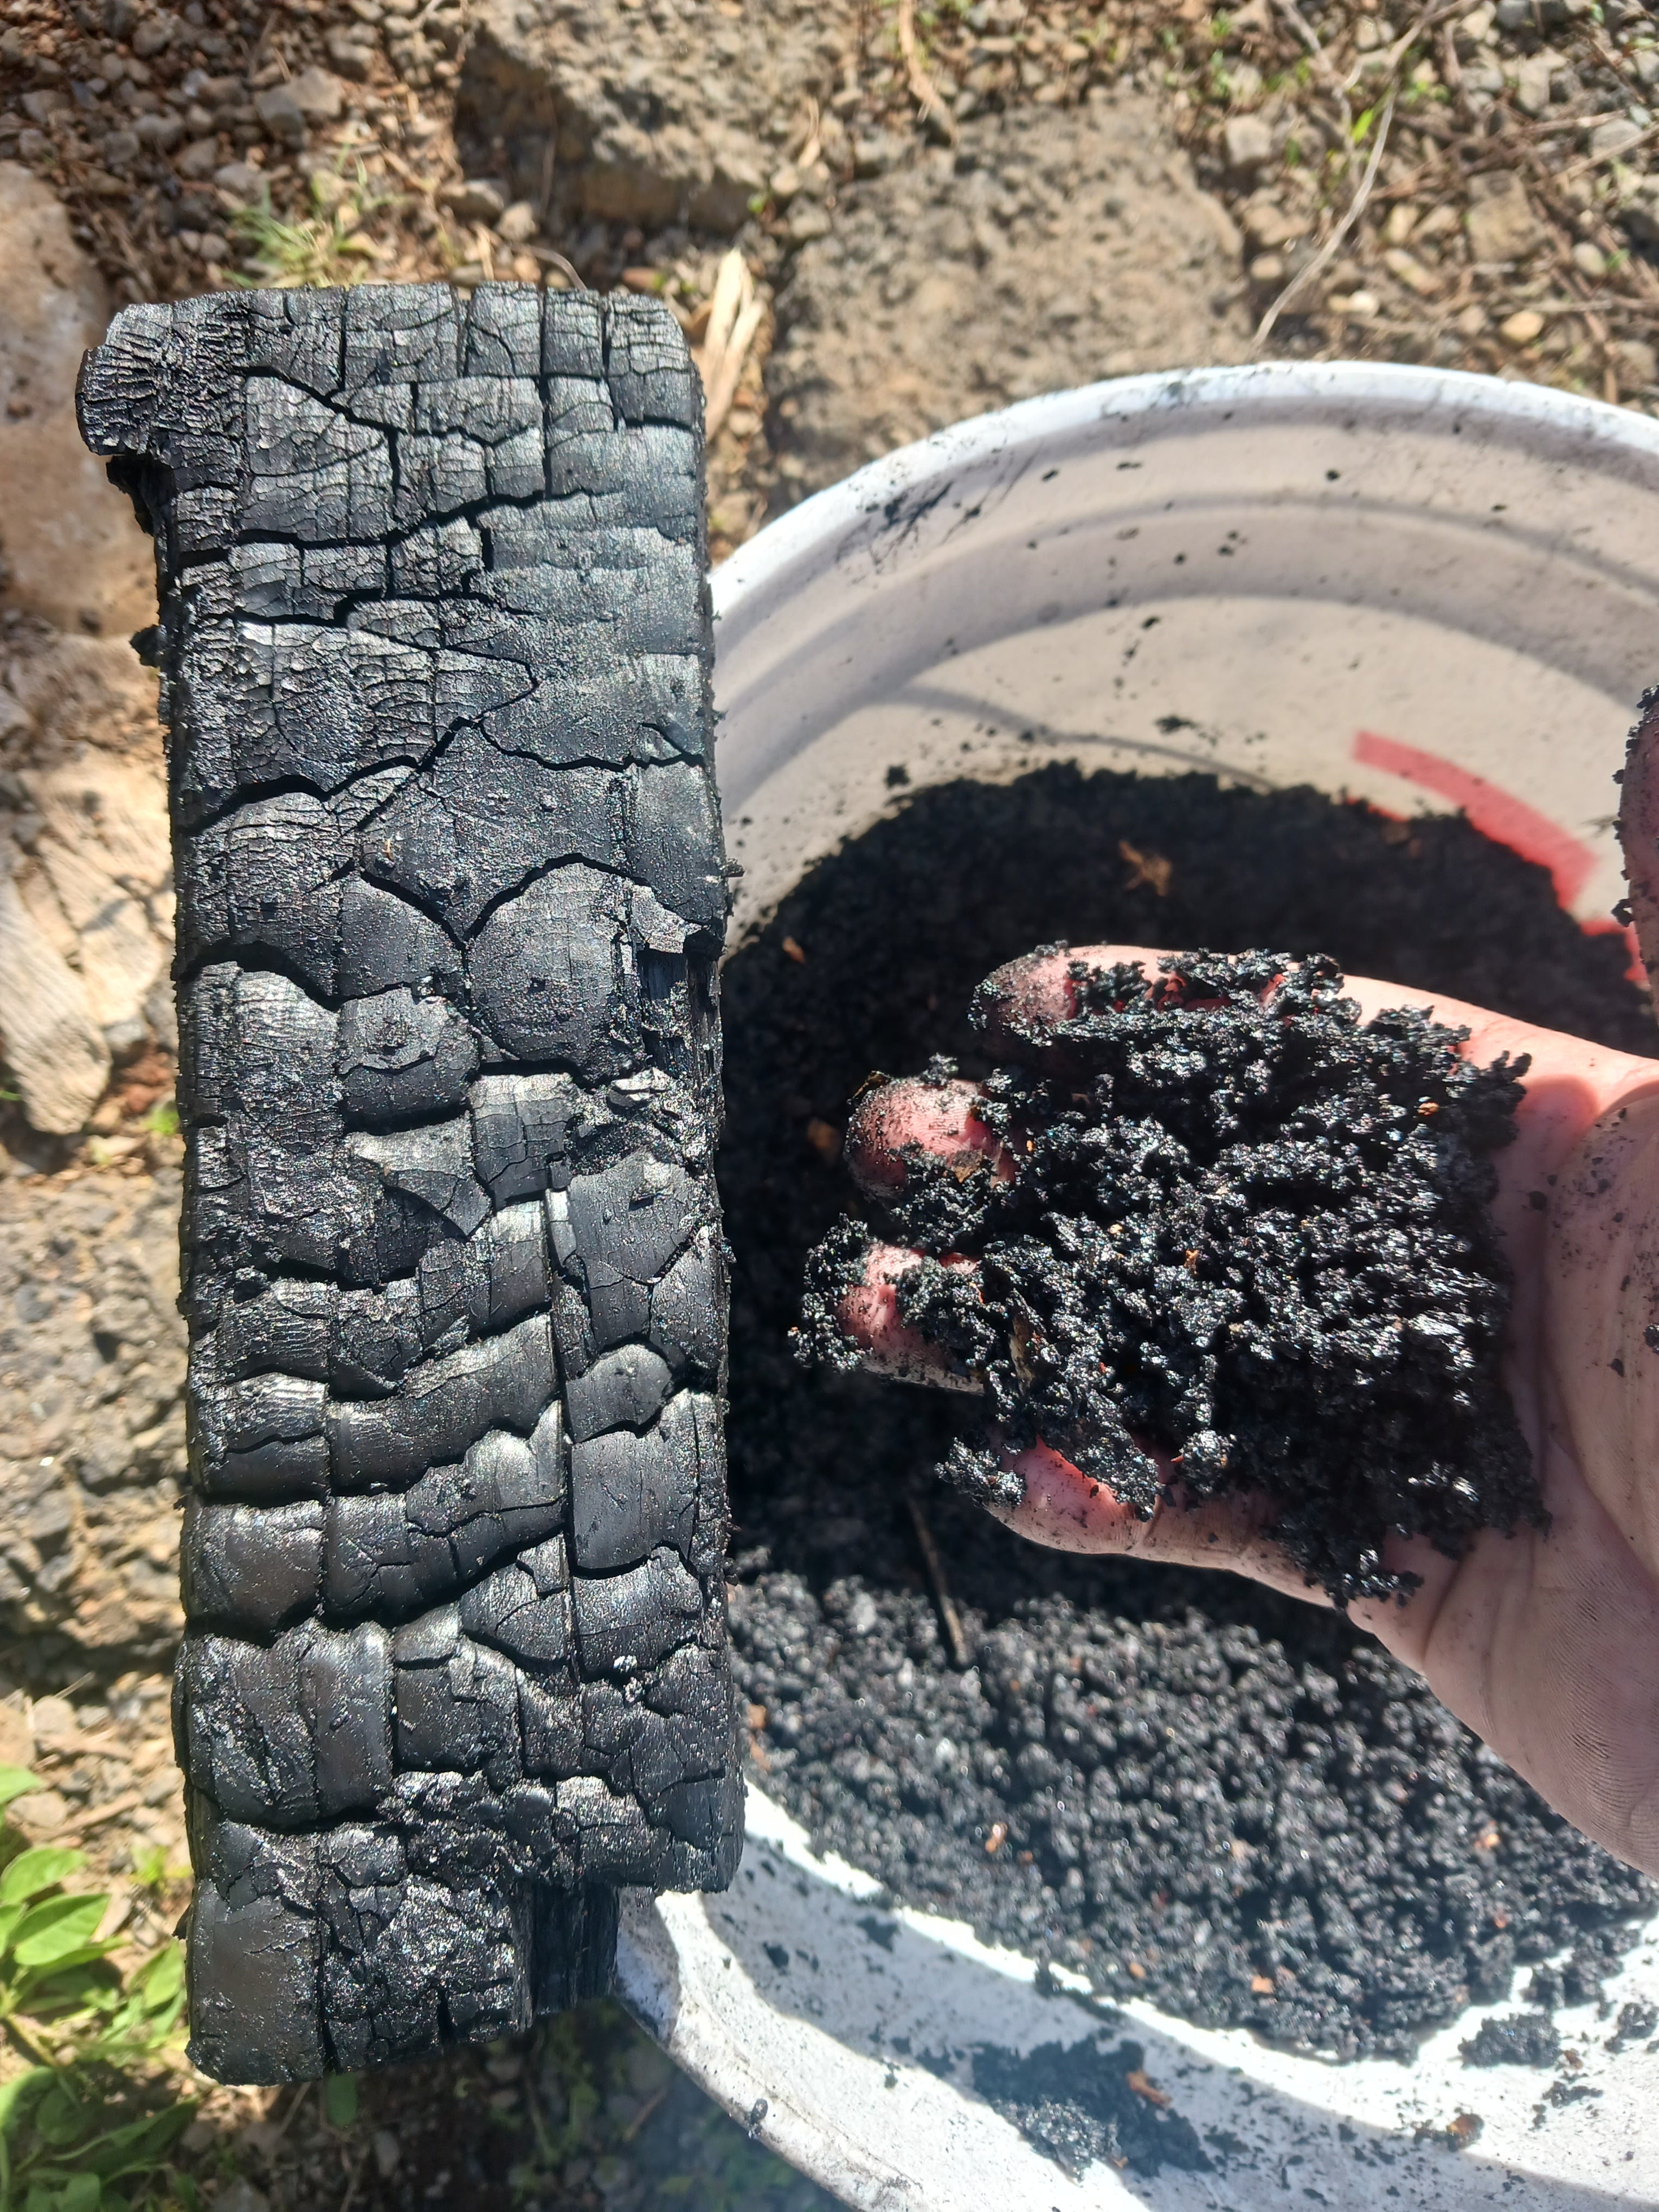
x: 1328, y: 251
x: 734, y: 316
x: 110, y: 1811
x: 923, y: 90
x: 950, y: 1619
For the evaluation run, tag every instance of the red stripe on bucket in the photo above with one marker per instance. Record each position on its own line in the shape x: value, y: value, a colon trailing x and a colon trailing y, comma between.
x: 1498, y: 814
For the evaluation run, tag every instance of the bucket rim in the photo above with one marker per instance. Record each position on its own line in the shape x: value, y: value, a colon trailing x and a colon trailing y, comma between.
x: 1160, y: 401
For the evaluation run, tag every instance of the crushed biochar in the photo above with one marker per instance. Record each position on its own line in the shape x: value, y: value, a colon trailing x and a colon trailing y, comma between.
x: 1079, y: 2102
x: 1248, y: 1228
x: 1183, y: 1786
x: 1519, y: 2039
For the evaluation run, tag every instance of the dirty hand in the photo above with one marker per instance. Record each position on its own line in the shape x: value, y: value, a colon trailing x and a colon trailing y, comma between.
x: 1545, y: 1642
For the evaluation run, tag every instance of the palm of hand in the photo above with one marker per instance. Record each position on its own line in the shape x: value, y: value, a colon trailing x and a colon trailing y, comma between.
x: 1547, y: 1642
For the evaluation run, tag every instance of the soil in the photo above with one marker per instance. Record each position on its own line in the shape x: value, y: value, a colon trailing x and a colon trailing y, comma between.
x: 1186, y: 1788
x: 1509, y: 224
x: 92, y: 1417
x: 1048, y: 248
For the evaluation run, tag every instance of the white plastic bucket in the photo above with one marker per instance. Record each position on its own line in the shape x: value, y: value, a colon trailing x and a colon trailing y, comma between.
x: 1422, y: 588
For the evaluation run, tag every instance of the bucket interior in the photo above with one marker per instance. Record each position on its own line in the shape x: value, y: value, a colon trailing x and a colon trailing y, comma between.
x: 1426, y: 591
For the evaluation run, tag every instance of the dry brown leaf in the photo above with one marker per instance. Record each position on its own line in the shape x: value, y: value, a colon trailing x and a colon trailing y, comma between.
x: 923, y: 90
x: 1142, y: 2088
x: 1150, y: 869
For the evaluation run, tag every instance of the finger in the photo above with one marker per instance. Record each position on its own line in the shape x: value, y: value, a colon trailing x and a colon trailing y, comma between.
x: 1070, y: 1511
x: 1027, y: 1000
x: 869, y: 1316
x: 893, y: 1122
x: 1638, y: 830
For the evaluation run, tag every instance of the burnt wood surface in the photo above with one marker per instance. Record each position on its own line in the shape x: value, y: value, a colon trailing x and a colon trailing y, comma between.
x: 434, y: 649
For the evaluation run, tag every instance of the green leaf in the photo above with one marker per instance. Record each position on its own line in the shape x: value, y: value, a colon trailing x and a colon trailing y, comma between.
x: 160, y: 1979
x: 59, y: 1999
x: 340, y: 2101
x: 58, y: 2119
x: 42, y: 1869
x: 139, y: 2147
x: 150, y: 1867
x: 80, y: 2194
x: 47, y: 1935
x: 17, y: 1782
x: 16, y: 2093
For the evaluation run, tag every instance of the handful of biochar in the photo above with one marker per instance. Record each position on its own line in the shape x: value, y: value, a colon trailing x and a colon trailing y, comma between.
x: 1248, y: 1232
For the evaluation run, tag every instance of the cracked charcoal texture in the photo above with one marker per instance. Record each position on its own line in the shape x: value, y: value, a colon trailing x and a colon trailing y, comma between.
x: 1237, y: 1794
x: 1255, y: 1235
x: 433, y: 649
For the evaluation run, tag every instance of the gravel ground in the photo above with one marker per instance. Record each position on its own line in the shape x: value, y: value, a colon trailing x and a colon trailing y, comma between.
x: 1474, y: 187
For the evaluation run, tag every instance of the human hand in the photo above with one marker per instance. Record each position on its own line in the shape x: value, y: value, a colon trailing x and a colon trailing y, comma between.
x: 1546, y: 1641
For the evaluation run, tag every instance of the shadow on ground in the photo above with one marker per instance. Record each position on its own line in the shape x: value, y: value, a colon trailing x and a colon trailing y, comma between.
x: 583, y: 2114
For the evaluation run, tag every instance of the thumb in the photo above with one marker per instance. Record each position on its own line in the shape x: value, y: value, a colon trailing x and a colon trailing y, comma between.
x: 1070, y: 1511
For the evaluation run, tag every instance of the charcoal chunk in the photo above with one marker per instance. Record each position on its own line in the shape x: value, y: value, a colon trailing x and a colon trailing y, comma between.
x: 630, y: 1493
x: 549, y: 978
x: 445, y: 1405
x: 433, y: 649
x: 251, y: 1568
x: 283, y: 1327
x: 687, y: 1306
x: 521, y: 1127
x: 254, y: 1961
x: 393, y: 1553
x: 290, y: 1733
x: 623, y: 1389
x: 458, y: 1707
x: 616, y: 1233
x: 525, y: 1609
x: 401, y: 1056
x: 384, y: 941
x: 627, y: 1622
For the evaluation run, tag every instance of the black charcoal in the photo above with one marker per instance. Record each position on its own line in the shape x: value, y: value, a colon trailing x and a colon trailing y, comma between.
x: 433, y: 649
